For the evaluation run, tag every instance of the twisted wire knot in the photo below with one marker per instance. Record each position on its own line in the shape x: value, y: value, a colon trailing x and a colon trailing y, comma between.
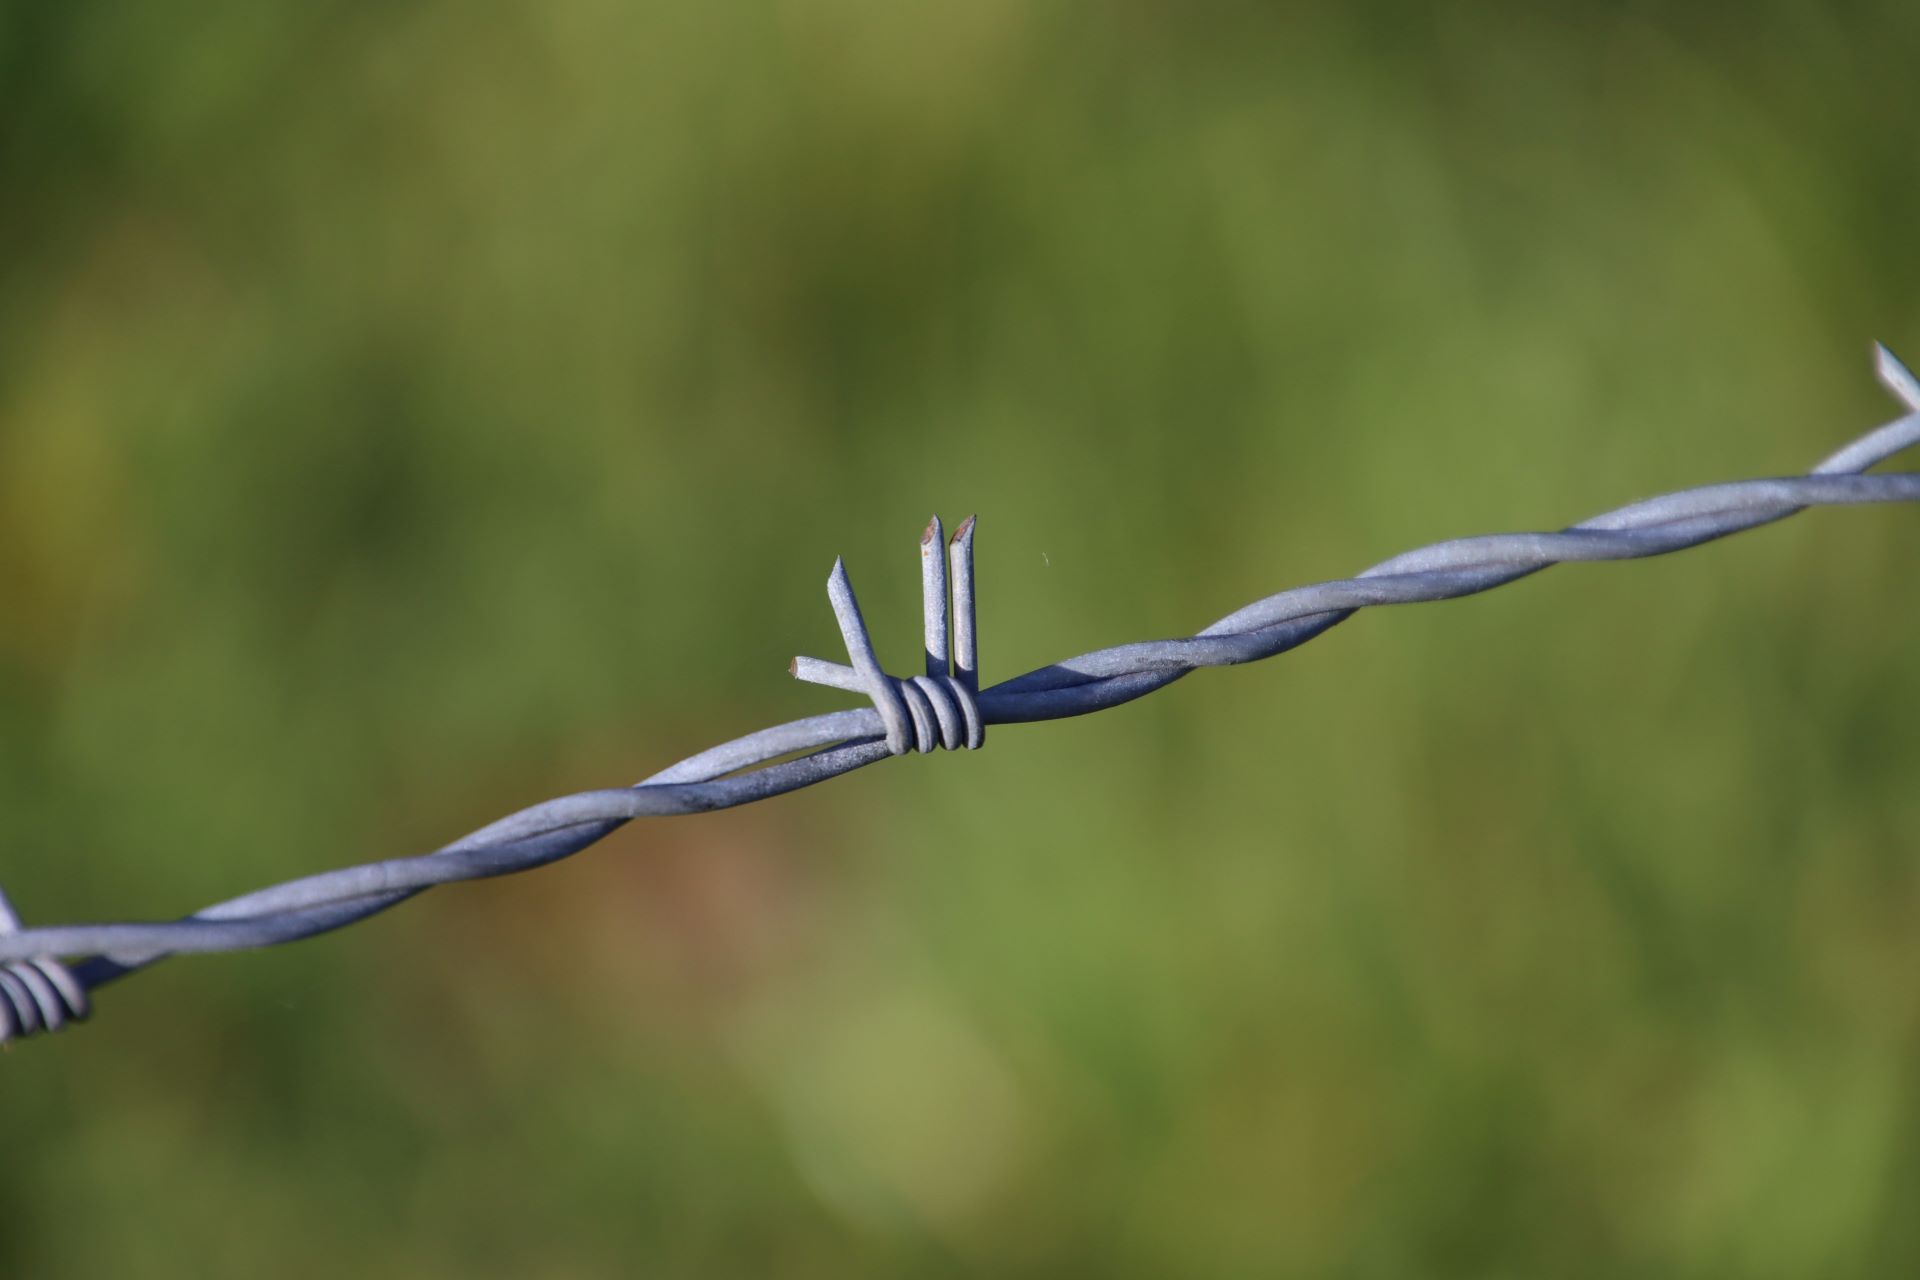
x: 38, y: 994
x: 940, y: 708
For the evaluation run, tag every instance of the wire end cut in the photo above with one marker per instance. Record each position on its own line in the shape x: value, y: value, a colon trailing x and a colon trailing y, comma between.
x: 1896, y: 377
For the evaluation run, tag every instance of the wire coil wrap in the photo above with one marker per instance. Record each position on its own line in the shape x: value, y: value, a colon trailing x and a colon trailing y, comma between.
x: 37, y: 994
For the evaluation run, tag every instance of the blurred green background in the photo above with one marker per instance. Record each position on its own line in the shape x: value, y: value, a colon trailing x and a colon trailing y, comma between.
x: 409, y: 412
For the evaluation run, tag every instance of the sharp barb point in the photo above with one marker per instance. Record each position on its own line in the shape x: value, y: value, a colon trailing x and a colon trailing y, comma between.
x: 1896, y: 377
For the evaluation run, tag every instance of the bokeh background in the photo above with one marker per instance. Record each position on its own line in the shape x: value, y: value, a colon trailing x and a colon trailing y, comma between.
x: 408, y: 412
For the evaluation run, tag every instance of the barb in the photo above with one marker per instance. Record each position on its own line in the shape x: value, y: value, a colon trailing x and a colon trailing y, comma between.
x: 944, y: 707
x: 940, y: 697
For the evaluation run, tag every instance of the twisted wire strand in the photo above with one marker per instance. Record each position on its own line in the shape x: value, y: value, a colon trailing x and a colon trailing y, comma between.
x: 945, y: 708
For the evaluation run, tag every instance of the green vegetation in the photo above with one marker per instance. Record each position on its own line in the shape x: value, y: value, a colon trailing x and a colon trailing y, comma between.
x: 412, y: 411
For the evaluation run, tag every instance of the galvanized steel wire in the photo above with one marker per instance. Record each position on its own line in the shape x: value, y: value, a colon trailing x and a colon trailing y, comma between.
x: 943, y: 708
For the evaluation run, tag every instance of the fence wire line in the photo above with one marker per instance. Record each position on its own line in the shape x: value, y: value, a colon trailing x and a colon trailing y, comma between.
x: 39, y: 991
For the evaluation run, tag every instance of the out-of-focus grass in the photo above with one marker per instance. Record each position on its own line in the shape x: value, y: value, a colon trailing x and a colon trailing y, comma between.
x: 409, y: 412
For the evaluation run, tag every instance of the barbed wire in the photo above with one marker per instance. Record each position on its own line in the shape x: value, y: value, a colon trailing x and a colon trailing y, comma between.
x: 944, y: 708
